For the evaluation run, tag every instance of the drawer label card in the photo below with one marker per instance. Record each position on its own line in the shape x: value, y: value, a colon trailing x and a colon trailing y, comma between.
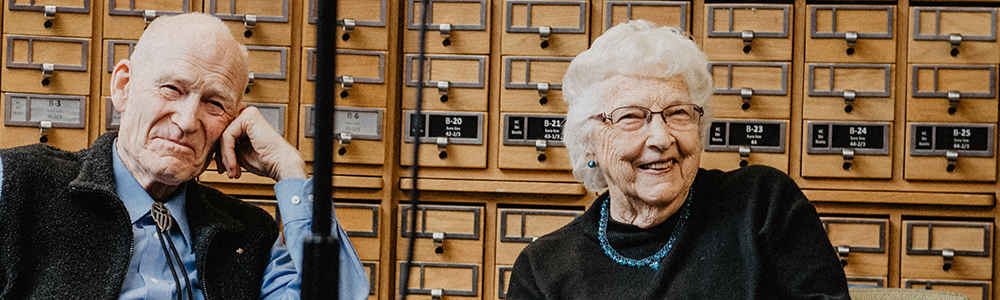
x: 30, y: 110
x: 457, y: 127
x: 760, y: 135
x: 362, y: 123
x: 113, y: 118
x: 936, y: 139
x: 525, y: 129
x: 871, y: 138
x: 273, y: 113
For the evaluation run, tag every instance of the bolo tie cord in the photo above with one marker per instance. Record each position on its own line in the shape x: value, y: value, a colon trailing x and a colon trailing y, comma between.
x: 161, y: 216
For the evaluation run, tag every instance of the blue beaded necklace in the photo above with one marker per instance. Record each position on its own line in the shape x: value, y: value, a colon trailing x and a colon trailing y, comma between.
x: 652, y: 261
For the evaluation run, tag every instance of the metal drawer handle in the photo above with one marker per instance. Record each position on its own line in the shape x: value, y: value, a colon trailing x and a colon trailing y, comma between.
x: 746, y: 94
x: 347, y: 82
x: 44, y: 126
x: 436, y: 294
x: 148, y: 15
x: 544, y: 32
x: 848, y: 158
x: 955, y: 39
x: 953, y: 99
x: 443, y: 87
x: 744, y: 155
x: 541, y: 145
x: 952, y: 156
x: 949, y: 259
x: 249, y: 21
x: 747, y: 36
x: 48, y: 69
x: 442, y: 144
x: 250, y: 78
x: 349, y: 25
x: 849, y: 96
x: 843, y: 252
x: 438, y: 238
x: 446, y: 34
x: 852, y: 41
x: 344, y: 138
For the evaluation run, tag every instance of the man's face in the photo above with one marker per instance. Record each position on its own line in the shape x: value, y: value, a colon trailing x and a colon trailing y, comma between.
x: 178, y: 102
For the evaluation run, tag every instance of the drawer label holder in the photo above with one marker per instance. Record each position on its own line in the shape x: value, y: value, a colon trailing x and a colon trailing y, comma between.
x: 728, y: 31
x: 273, y: 113
x: 848, y: 35
x: 545, y: 30
x: 45, y: 111
x: 519, y: 235
x: 869, y: 138
x: 529, y: 129
x: 948, y: 36
x: 359, y: 123
x: 629, y: 5
x: 113, y: 118
x: 929, y: 250
x: 412, y: 25
x: 348, y: 24
x: 424, y: 290
x: 938, y: 139
x: 148, y: 15
x: 464, y: 128
x: 744, y: 136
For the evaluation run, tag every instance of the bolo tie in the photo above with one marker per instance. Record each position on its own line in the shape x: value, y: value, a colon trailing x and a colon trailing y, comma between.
x: 161, y: 216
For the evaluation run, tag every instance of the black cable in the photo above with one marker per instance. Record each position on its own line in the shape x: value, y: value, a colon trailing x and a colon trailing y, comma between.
x: 181, y: 266
x: 404, y: 277
x: 170, y: 264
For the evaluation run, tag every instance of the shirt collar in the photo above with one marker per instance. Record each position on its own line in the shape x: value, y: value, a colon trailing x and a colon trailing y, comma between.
x: 138, y: 202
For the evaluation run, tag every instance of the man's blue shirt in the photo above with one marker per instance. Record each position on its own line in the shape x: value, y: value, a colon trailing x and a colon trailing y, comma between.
x: 149, y: 275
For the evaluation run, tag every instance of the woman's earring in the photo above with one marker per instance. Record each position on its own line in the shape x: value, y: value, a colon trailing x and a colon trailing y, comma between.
x: 591, y: 164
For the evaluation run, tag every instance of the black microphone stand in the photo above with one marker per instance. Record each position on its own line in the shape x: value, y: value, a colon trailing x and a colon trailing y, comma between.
x: 321, y: 252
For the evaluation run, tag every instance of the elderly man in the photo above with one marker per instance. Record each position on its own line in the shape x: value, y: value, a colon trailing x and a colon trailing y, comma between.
x: 92, y: 224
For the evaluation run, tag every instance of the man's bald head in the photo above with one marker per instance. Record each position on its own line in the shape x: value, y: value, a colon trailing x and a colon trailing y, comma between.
x: 189, y: 33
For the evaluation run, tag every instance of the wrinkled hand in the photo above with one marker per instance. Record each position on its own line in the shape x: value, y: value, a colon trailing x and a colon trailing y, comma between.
x: 250, y: 142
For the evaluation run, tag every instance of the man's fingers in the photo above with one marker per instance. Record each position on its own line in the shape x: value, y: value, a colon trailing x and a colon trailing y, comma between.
x: 227, y: 146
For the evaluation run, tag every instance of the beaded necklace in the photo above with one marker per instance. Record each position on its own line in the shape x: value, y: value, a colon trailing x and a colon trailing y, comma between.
x: 652, y: 261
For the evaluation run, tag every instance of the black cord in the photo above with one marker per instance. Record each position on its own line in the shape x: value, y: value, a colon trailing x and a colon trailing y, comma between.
x: 180, y: 265
x: 404, y: 277
x: 170, y: 264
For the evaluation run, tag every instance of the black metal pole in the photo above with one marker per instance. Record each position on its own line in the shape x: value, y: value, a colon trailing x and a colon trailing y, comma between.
x: 321, y: 254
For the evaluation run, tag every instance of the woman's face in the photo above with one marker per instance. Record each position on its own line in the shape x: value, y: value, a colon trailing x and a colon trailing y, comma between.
x: 654, y: 164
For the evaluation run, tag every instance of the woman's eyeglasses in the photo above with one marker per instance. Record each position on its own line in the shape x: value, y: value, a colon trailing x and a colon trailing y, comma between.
x: 683, y: 116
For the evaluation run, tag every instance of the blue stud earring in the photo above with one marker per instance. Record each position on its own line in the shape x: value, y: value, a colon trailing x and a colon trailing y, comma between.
x: 591, y: 164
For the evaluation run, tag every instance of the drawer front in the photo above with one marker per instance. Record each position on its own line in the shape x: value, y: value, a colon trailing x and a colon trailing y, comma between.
x: 360, y: 78
x: 454, y: 27
x: 847, y: 149
x: 951, y: 152
x: 275, y: 114
x: 736, y: 143
x: 533, y: 142
x: 57, y: 120
x: 545, y: 28
x: 359, y: 24
x: 748, y: 32
x: 130, y: 17
x: 959, y: 35
x: 445, y: 233
x: 429, y: 280
x: 972, y: 289
x: 861, y: 245
x: 45, y: 65
x: 48, y: 17
x: 952, y: 93
x: 451, y: 82
x: 114, y: 51
x: 533, y: 84
x: 519, y: 227
x: 756, y: 90
x: 851, y: 34
x: 361, y: 223
x: 866, y: 280
x: 268, y: 75
x: 451, y: 139
x: 254, y: 22
x: 371, y: 267
x: 358, y: 132
x: 947, y: 250
x: 858, y: 92
x: 503, y: 281
x: 662, y: 13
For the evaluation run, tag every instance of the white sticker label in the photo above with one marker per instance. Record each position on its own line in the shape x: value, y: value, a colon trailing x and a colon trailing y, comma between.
x: 55, y: 110
x: 18, y: 109
x: 272, y: 115
x: 361, y: 123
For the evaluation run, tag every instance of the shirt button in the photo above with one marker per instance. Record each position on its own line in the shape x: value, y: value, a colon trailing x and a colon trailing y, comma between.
x: 295, y: 199
x: 310, y: 198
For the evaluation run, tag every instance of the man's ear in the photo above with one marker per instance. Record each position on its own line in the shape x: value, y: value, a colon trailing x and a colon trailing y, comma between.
x: 120, y: 84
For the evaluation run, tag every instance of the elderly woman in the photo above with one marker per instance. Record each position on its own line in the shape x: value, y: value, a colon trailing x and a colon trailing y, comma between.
x: 665, y: 228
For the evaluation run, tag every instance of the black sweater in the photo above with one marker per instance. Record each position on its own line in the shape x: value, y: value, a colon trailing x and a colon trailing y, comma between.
x: 751, y: 234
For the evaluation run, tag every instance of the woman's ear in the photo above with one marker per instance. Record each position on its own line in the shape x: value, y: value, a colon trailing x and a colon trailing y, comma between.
x: 120, y: 78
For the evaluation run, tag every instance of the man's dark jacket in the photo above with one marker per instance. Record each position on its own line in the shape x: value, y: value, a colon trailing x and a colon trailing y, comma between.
x: 65, y: 234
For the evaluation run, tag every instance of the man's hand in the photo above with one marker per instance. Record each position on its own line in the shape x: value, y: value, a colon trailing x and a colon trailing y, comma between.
x: 251, y: 143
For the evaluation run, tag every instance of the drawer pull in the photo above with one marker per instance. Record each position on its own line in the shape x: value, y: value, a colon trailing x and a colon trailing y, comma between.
x: 48, y: 69
x: 438, y: 238
x: 849, y: 96
x: 50, y: 14
x: 848, y: 158
x: 843, y: 252
x: 446, y: 34
x: 949, y: 259
x: 953, y: 99
x: 348, y: 25
x: 44, y: 126
x: 436, y: 294
x: 250, y: 22
x: 746, y: 94
x: 544, y: 32
x: 952, y: 156
x: 541, y: 145
x: 956, y: 40
x: 747, y: 36
x: 443, y: 87
x: 852, y: 41
x: 442, y: 144
x: 346, y: 82
x: 744, y: 155
x: 250, y: 78
x: 148, y: 15
x: 344, y: 138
